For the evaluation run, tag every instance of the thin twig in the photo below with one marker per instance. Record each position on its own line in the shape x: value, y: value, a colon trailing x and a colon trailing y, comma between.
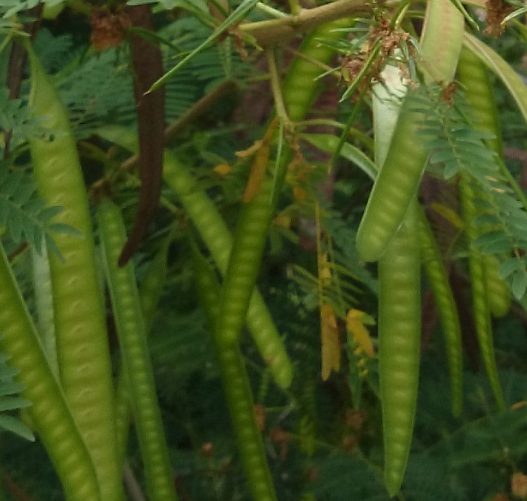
x: 278, y: 31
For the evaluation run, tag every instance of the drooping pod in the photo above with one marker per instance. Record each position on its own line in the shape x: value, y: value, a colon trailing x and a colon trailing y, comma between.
x: 80, y: 323
x: 214, y: 232
x: 237, y: 390
x: 475, y: 80
x: 49, y: 409
x: 300, y: 88
x: 480, y: 304
x: 147, y: 66
x: 400, y: 174
x: 399, y: 346
x: 149, y: 294
x: 135, y: 357
x: 447, y: 308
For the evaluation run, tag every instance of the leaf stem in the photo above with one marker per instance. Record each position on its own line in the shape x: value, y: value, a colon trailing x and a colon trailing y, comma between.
x: 278, y: 31
x: 276, y: 88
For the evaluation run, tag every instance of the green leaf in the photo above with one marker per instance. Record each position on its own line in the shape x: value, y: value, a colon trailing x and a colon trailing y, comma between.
x: 519, y: 284
x: 511, y: 265
x: 10, y: 388
x: 13, y: 403
x: 14, y: 425
x: 445, y: 155
x: 329, y: 143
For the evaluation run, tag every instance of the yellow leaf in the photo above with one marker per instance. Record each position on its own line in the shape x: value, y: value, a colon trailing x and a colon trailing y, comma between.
x: 282, y: 221
x: 355, y: 325
x: 449, y: 214
x: 257, y: 175
x: 251, y: 150
x: 324, y: 271
x: 519, y: 405
x: 261, y: 150
x: 330, y: 341
x: 299, y: 194
x: 223, y: 169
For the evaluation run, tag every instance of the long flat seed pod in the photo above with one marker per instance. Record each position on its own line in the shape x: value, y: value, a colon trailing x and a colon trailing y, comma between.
x: 250, y: 235
x: 399, y: 347
x: 214, y: 232
x: 49, y: 409
x: 135, y: 356
x: 474, y: 77
x: 401, y: 172
x: 446, y: 305
x: 237, y: 390
x: 399, y: 303
x: 80, y: 322
x: 480, y: 303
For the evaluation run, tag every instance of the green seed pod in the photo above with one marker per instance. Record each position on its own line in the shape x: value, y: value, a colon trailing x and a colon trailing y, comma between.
x: 135, y: 357
x: 80, y: 323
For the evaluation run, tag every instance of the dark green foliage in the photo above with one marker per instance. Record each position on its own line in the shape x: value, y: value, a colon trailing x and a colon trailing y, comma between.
x: 179, y: 349
x: 347, y: 478
x: 457, y: 147
x: 24, y: 216
x: 55, y: 52
x: 16, y: 116
x: 10, y: 401
x: 97, y: 87
x: 323, y: 439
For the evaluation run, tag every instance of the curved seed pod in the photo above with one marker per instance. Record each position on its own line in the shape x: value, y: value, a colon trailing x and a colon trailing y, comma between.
x: 399, y: 303
x: 396, y: 185
x: 238, y: 391
x: 479, y: 292
x: 446, y: 304
x: 149, y: 294
x: 474, y: 77
x: 49, y: 410
x: 214, y: 232
x: 401, y: 172
x: 136, y: 361
x: 498, y: 293
x: 300, y: 88
x: 399, y: 343
x: 80, y: 323
x: 244, y: 263
x: 301, y: 85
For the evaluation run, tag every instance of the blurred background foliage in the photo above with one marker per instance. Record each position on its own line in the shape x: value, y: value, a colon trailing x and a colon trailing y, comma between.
x: 323, y: 438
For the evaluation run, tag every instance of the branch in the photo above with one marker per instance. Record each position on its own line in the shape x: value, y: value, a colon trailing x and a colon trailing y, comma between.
x: 277, y: 31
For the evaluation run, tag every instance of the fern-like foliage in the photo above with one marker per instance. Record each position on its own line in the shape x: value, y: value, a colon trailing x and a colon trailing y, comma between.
x: 340, y: 291
x: 181, y: 352
x: 457, y: 147
x: 24, y: 216
x: 11, y: 401
x: 55, y: 51
x: 97, y: 88
x: 15, y: 116
x: 218, y: 62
